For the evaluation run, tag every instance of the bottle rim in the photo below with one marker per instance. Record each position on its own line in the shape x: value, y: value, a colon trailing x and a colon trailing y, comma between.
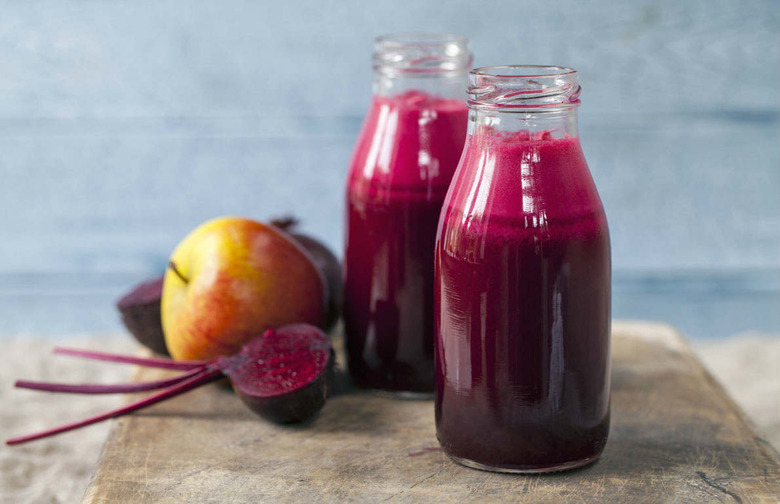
x: 518, y: 88
x: 422, y: 54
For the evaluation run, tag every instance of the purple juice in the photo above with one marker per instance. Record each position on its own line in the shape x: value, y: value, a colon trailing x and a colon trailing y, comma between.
x: 404, y: 160
x: 522, y: 306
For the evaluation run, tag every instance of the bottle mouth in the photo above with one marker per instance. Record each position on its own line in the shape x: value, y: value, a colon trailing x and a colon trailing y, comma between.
x: 524, y: 87
x: 422, y: 54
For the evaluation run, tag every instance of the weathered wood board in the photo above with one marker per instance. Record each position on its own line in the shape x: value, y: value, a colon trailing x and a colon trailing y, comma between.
x: 676, y: 437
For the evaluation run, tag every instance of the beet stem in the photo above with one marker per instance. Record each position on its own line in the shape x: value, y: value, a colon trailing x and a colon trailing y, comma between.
x: 206, y: 376
x: 140, y: 361
x: 119, y: 388
x: 285, y: 223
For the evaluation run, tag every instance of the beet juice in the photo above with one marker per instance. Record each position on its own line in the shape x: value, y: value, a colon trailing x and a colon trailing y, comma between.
x: 523, y: 283
x: 401, y: 167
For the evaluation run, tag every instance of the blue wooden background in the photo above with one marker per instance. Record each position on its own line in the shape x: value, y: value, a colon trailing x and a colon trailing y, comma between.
x: 124, y: 124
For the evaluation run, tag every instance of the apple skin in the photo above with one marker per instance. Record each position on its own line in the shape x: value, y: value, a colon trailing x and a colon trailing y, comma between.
x: 231, y: 279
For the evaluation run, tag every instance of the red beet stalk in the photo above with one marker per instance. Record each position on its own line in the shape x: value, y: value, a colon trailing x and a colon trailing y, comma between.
x: 195, y: 381
x: 125, y: 359
x: 118, y: 388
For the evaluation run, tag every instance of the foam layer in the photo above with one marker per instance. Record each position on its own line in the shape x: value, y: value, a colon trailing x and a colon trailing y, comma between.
x: 524, y: 177
x: 409, y: 142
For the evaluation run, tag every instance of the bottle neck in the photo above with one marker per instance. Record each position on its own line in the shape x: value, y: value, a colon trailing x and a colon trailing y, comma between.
x: 524, y: 98
x: 448, y: 85
x: 559, y: 123
x: 432, y: 63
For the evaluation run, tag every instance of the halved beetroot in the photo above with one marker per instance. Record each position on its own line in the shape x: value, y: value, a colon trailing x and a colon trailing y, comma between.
x: 285, y: 375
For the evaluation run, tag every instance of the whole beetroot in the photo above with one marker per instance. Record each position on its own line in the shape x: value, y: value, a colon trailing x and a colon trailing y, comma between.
x: 140, y: 311
x: 326, y: 262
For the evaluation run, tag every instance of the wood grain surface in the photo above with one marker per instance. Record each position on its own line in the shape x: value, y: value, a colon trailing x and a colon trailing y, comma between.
x: 676, y: 437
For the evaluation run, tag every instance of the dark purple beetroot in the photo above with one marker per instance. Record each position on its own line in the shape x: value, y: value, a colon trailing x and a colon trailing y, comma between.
x: 330, y: 267
x: 284, y: 375
x: 326, y: 262
x: 140, y: 310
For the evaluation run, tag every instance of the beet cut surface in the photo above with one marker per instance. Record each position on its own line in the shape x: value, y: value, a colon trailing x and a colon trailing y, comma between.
x: 284, y: 375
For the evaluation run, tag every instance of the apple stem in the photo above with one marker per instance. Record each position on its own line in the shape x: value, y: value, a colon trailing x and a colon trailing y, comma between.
x: 173, y: 267
x: 140, y: 361
x: 195, y: 381
x: 119, y: 388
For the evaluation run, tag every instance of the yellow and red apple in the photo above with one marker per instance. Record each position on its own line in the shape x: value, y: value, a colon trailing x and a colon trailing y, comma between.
x: 231, y: 279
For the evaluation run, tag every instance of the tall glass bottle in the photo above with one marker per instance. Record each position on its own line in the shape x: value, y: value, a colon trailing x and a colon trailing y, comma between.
x: 523, y: 283
x: 400, y: 170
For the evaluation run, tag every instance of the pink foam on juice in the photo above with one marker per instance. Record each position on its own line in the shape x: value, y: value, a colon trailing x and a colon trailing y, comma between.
x: 523, y: 306
x: 409, y: 142
x: 402, y: 165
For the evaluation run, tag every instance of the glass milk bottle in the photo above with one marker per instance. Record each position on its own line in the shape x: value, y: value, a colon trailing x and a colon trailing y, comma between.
x: 523, y: 283
x: 400, y: 170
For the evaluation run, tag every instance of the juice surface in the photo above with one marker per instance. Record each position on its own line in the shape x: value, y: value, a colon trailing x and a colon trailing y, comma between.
x: 403, y: 163
x: 523, y: 306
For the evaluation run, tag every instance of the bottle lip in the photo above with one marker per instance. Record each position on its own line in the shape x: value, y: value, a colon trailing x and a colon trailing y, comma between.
x: 422, y: 54
x: 523, y: 71
x: 518, y: 88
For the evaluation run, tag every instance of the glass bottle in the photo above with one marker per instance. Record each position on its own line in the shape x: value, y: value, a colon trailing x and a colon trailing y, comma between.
x: 400, y: 170
x: 523, y: 277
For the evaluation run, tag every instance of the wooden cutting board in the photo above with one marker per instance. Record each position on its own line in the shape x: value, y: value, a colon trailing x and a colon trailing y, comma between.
x: 676, y: 437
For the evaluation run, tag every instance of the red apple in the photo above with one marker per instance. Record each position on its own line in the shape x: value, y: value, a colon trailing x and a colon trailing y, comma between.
x: 230, y: 280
